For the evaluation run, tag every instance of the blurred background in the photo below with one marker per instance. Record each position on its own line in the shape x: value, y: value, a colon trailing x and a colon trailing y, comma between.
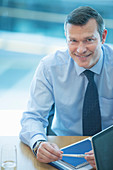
x: 29, y: 30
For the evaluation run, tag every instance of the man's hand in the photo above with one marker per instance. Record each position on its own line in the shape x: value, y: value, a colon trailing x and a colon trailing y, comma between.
x: 48, y: 152
x: 91, y: 159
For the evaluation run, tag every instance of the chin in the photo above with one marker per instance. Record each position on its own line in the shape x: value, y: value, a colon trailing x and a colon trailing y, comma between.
x: 83, y: 65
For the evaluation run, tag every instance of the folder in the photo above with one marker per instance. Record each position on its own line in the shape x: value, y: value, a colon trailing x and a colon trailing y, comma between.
x: 71, y: 163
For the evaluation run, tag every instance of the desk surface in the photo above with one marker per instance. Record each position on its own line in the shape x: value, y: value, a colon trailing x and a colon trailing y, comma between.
x: 25, y: 157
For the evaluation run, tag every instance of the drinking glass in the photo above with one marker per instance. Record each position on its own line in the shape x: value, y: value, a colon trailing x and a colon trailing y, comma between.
x: 9, y: 157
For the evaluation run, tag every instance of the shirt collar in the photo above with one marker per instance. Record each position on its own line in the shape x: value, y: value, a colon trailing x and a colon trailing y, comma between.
x: 96, y: 68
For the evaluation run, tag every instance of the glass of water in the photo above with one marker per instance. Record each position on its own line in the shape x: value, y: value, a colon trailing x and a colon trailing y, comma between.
x: 9, y: 157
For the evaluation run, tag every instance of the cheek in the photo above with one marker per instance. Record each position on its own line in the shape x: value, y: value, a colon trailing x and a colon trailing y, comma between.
x: 71, y: 48
x: 96, y: 49
x: 93, y: 47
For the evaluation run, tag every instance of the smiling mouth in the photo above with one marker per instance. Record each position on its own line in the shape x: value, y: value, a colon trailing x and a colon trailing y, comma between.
x: 82, y: 56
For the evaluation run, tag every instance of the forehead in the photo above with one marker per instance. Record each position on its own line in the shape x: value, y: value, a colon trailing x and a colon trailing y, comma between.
x: 89, y: 29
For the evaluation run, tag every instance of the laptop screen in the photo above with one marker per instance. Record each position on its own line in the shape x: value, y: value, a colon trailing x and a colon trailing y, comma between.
x: 103, y: 149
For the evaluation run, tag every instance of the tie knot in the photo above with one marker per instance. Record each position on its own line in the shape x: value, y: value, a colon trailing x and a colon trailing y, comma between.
x: 89, y: 74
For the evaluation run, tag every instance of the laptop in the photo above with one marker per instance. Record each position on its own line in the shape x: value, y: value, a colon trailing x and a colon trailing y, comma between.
x: 102, y: 144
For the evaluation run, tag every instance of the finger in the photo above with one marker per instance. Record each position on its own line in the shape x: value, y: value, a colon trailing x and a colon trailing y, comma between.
x: 90, y: 152
x: 91, y: 160
x: 91, y: 157
x: 45, y: 159
x: 48, y: 153
x: 57, y: 148
x: 53, y: 148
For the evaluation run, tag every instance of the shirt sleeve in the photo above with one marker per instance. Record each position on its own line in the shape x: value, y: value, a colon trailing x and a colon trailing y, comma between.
x: 34, y: 120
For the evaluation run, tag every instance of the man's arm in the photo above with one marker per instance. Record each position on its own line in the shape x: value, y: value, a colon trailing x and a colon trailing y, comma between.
x: 34, y: 120
x: 33, y: 128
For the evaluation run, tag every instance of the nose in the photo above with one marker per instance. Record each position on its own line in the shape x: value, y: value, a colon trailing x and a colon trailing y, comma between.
x: 81, y: 48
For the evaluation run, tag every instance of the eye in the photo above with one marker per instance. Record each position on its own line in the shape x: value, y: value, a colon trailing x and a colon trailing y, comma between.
x: 90, y: 39
x: 73, y: 41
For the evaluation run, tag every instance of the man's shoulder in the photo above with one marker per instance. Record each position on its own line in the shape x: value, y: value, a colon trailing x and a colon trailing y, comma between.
x: 108, y: 53
x: 107, y: 48
x: 57, y: 58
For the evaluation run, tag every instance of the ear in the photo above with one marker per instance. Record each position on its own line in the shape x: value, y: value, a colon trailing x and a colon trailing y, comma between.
x: 104, y: 36
x: 65, y: 36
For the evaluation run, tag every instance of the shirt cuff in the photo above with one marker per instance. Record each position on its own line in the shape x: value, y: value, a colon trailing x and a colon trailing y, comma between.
x: 36, y: 146
x: 35, y: 139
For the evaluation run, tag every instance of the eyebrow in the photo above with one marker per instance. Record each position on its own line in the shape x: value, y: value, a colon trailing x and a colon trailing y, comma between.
x: 92, y: 36
x: 85, y: 38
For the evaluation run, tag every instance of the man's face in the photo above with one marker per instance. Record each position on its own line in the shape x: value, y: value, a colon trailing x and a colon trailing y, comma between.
x: 84, y: 43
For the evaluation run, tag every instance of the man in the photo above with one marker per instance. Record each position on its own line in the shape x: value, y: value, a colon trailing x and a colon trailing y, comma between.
x: 60, y: 80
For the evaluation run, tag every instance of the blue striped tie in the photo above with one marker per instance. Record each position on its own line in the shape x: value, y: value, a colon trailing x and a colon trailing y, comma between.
x: 91, y: 108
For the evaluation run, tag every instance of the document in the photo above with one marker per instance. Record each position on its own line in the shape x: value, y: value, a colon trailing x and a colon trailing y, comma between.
x: 71, y: 163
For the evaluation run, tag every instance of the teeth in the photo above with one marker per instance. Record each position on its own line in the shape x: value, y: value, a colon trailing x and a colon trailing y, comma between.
x: 80, y: 56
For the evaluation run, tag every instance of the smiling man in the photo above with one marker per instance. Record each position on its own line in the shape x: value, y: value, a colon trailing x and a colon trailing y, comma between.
x: 77, y: 81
